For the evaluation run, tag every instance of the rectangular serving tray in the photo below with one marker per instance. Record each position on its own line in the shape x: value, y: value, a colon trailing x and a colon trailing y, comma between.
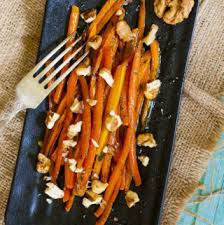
x: 27, y: 202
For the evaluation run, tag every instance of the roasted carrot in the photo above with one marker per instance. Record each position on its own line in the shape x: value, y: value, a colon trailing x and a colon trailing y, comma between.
x: 86, y: 123
x: 116, y: 173
x: 62, y: 105
x: 63, y: 135
x: 145, y: 110
x: 141, y: 19
x: 97, y: 61
x: 100, y: 20
x: 54, y: 135
x: 106, y: 166
x: 133, y: 162
x: 71, y: 86
x: 92, y: 89
x: 128, y: 177
x: 69, y: 175
x: 72, y: 27
x: 122, y: 186
x: 109, y: 206
x: 67, y: 193
x: 69, y: 203
x: 154, y: 47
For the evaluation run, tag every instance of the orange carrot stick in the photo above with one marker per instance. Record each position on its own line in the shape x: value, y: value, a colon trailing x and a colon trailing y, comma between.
x: 97, y: 61
x: 128, y: 177
x: 155, y: 59
x: 63, y: 135
x: 145, y: 110
x: 71, y: 86
x: 122, y: 186
x: 72, y: 27
x: 106, y: 167
x: 141, y: 19
x: 54, y: 135
x: 100, y: 21
x: 67, y: 193
x: 109, y: 206
x: 69, y: 175
x: 69, y: 203
x: 92, y: 89
x: 116, y: 173
x: 86, y: 124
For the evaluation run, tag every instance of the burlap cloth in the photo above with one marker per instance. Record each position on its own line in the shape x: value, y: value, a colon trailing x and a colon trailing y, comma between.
x: 201, y: 117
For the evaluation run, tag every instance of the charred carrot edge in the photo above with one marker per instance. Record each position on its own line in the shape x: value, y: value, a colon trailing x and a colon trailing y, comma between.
x: 104, y: 10
x: 86, y: 123
x: 69, y: 175
x: 54, y: 135
x: 141, y: 19
x: 67, y: 193
x: 154, y: 47
x: 109, y: 206
x: 69, y: 203
x: 63, y: 135
x: 72, y: 28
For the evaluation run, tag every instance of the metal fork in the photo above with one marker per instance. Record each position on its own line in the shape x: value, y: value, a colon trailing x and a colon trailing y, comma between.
x: 33, y: 88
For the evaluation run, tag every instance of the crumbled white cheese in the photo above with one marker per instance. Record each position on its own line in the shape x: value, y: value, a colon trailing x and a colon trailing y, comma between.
x: 98, y: 187
x: 52, y: 117
x: 95, y: 144
x: 54, y: 191
x: 83, y: 70
x: 131, y: 198
x: 105, y: 149
x: 95, y: 42
x: 72, y: 164
x: 144, y: 160
x: 74, y: 129
x: 77, y: 106
x: 113, y: 121
x: 106, y: 75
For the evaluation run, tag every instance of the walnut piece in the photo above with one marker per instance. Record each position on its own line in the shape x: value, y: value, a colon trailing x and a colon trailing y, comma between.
x: 124, y: 31
x: 98, y: 187
x: 131, y: 198
x: 173, y: 11
x: 144, y: 160
x: 43, y: 164
x: 89, y: 15
x: 95, y: 42
x: 113, y: 121
x: 152, y: 89
x: 146, y: 140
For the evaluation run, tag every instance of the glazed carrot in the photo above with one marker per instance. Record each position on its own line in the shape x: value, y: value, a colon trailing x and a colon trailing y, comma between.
x: 145, y: 68
x: 69, y: 175
x: 71, y: 86
x: 141, y: 19
x: 133, y: 162
x: 109, y: 206
x: 97, y: 61
x: 122, y: 186
x: 67, y: 193
x: 109, y: 15
x: 69, y: 203
x: 54, y: 135
x: 63, y: 135
x: 116, y: 173
x: 128, y: 177
x: 145, y: 110
x: 92, y: 89
x: 86, y: 123
x: 93, y: 28
x: 113, y: 100
x: 154, y: 47
x: 72, y: 27
x: 61, y: 106
x: 106, y: 167
x: 124, y: 100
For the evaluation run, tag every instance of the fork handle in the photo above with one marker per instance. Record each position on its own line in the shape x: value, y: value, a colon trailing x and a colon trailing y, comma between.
x: 10, y: 111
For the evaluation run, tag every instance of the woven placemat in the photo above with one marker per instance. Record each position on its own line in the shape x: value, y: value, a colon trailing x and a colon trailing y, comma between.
x: 201, y: 117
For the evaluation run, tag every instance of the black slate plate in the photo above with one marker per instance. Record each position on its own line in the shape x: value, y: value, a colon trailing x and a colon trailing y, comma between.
x: 27, y: 204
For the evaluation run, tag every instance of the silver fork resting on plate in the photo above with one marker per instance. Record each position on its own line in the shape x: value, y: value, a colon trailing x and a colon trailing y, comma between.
x: 33, y: 88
